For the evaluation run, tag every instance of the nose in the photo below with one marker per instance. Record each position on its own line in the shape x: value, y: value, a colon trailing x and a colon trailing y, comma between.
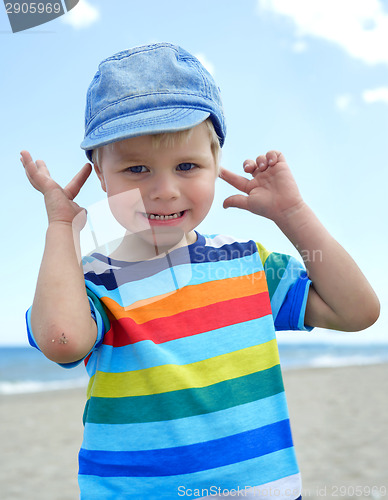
x: 165, y: 187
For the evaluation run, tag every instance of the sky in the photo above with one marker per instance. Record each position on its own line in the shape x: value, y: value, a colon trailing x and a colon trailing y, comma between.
x: 306, y: 77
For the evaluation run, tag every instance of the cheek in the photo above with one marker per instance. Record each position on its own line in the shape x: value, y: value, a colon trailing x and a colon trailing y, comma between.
x: 202, y: 196
x: 124, y: 205
x: 204, y: 190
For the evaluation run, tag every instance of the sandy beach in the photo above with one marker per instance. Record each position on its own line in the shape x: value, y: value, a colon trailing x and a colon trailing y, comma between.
x: 339, y: 419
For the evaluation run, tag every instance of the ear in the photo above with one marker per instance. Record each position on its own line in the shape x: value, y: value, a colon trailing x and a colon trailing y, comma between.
x: 100, y: 175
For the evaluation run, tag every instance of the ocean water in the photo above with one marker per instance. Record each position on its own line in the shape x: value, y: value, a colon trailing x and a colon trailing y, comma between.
x: 24, y: 369
x: 327, y: 354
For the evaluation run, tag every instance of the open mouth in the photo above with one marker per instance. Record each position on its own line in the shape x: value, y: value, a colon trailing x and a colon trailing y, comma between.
x: 164, y: 217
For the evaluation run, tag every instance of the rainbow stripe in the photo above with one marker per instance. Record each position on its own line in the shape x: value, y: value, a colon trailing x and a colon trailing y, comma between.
x: 185, y: 384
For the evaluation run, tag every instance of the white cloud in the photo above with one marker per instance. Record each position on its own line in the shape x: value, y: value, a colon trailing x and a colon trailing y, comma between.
x: 376, y: 95
x: 205, y: 62
x: 347, y: 103
x: 360, y: 27
x: 81, y: 16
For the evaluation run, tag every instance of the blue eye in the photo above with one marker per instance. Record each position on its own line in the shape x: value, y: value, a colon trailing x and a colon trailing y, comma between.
x: 138, y: 169
x: 185, y: 167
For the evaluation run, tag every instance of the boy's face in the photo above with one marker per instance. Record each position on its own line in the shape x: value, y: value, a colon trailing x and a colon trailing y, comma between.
x: 160, y: 193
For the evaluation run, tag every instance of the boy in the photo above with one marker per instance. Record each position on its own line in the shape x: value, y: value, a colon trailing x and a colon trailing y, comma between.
x: 186, y: 395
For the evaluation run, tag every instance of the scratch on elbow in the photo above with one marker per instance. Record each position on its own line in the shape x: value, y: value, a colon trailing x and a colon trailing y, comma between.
x: 62, y: 339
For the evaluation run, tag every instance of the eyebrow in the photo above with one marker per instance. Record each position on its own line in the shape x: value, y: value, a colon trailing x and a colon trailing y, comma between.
x: 190, y: 157
x: 133, y: 157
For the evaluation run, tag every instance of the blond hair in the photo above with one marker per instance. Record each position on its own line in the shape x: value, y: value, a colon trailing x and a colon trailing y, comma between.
x: 170, y: 138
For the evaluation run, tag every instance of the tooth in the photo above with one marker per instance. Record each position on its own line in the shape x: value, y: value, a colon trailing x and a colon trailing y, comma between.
x: 164, y: 217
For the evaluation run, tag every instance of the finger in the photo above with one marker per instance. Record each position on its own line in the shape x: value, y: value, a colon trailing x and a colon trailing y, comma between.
x: 30, y: 169
x: 249, y: 166
x: 237, y: 181
x: 236, y: 201
x: 75, y: 185
x: 42, y: 168
x: 273, y: 157
x: 30, y: 179
x: 262, y: 163
x: 27, y: 161
x: 24, y: 155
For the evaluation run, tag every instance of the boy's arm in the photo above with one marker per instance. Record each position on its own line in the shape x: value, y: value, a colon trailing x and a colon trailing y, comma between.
x: 60, y: 316
x: 340, y: 297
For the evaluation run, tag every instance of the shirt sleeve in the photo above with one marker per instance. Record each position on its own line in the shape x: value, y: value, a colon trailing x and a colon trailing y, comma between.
x: 288, y: 286
x: 98, y: 314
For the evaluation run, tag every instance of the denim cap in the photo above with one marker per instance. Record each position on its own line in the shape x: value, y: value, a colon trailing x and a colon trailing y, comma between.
x: 148, y: 90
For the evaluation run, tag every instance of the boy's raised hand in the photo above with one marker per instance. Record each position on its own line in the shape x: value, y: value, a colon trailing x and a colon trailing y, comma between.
x: 272, y: 192
x: 59, y: 201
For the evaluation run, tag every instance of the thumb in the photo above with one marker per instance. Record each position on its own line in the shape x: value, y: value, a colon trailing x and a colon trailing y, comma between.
x: 236, y: 201
x: 75, y: 185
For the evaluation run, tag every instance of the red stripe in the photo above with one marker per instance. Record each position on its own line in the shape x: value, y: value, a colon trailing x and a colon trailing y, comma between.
x: 125, y: 331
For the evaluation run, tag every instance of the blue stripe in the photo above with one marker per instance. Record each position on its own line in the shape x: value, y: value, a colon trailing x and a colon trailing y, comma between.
x: 167, y: 280
x: 147, y: 354
x: 302, y: 311
x: 190, y: 430
x: 170, y: 264
x: 131, y: 292
x: 292, y: 312
x: 30, y: 335
x: 203, y: 250
x: 188, y: 459
x: 278, y: 465
x: 206, y: 252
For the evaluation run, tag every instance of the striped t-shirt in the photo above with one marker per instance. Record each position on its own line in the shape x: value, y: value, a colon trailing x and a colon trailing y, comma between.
x: 186, y: 397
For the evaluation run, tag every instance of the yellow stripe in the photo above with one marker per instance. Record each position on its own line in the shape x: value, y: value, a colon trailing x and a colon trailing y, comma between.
x: 189, y: 297
x: 263, y: 252
x: 166, y: 378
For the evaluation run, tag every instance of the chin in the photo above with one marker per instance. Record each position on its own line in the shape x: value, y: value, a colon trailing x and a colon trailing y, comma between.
x: 162, y: 239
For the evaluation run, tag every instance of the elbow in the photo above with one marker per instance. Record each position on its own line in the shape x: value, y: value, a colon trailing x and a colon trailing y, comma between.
x: 63, y: 345
x: 367, y: 316
x: 373, y: 314
x: 61, y: 348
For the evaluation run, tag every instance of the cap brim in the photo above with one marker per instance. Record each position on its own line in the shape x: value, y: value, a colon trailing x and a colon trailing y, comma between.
x: 144, y: 123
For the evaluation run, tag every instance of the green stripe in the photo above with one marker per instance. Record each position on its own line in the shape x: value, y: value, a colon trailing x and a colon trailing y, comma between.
x: 100, y: 309
x: 185, y: 403
x: 274, y: 268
